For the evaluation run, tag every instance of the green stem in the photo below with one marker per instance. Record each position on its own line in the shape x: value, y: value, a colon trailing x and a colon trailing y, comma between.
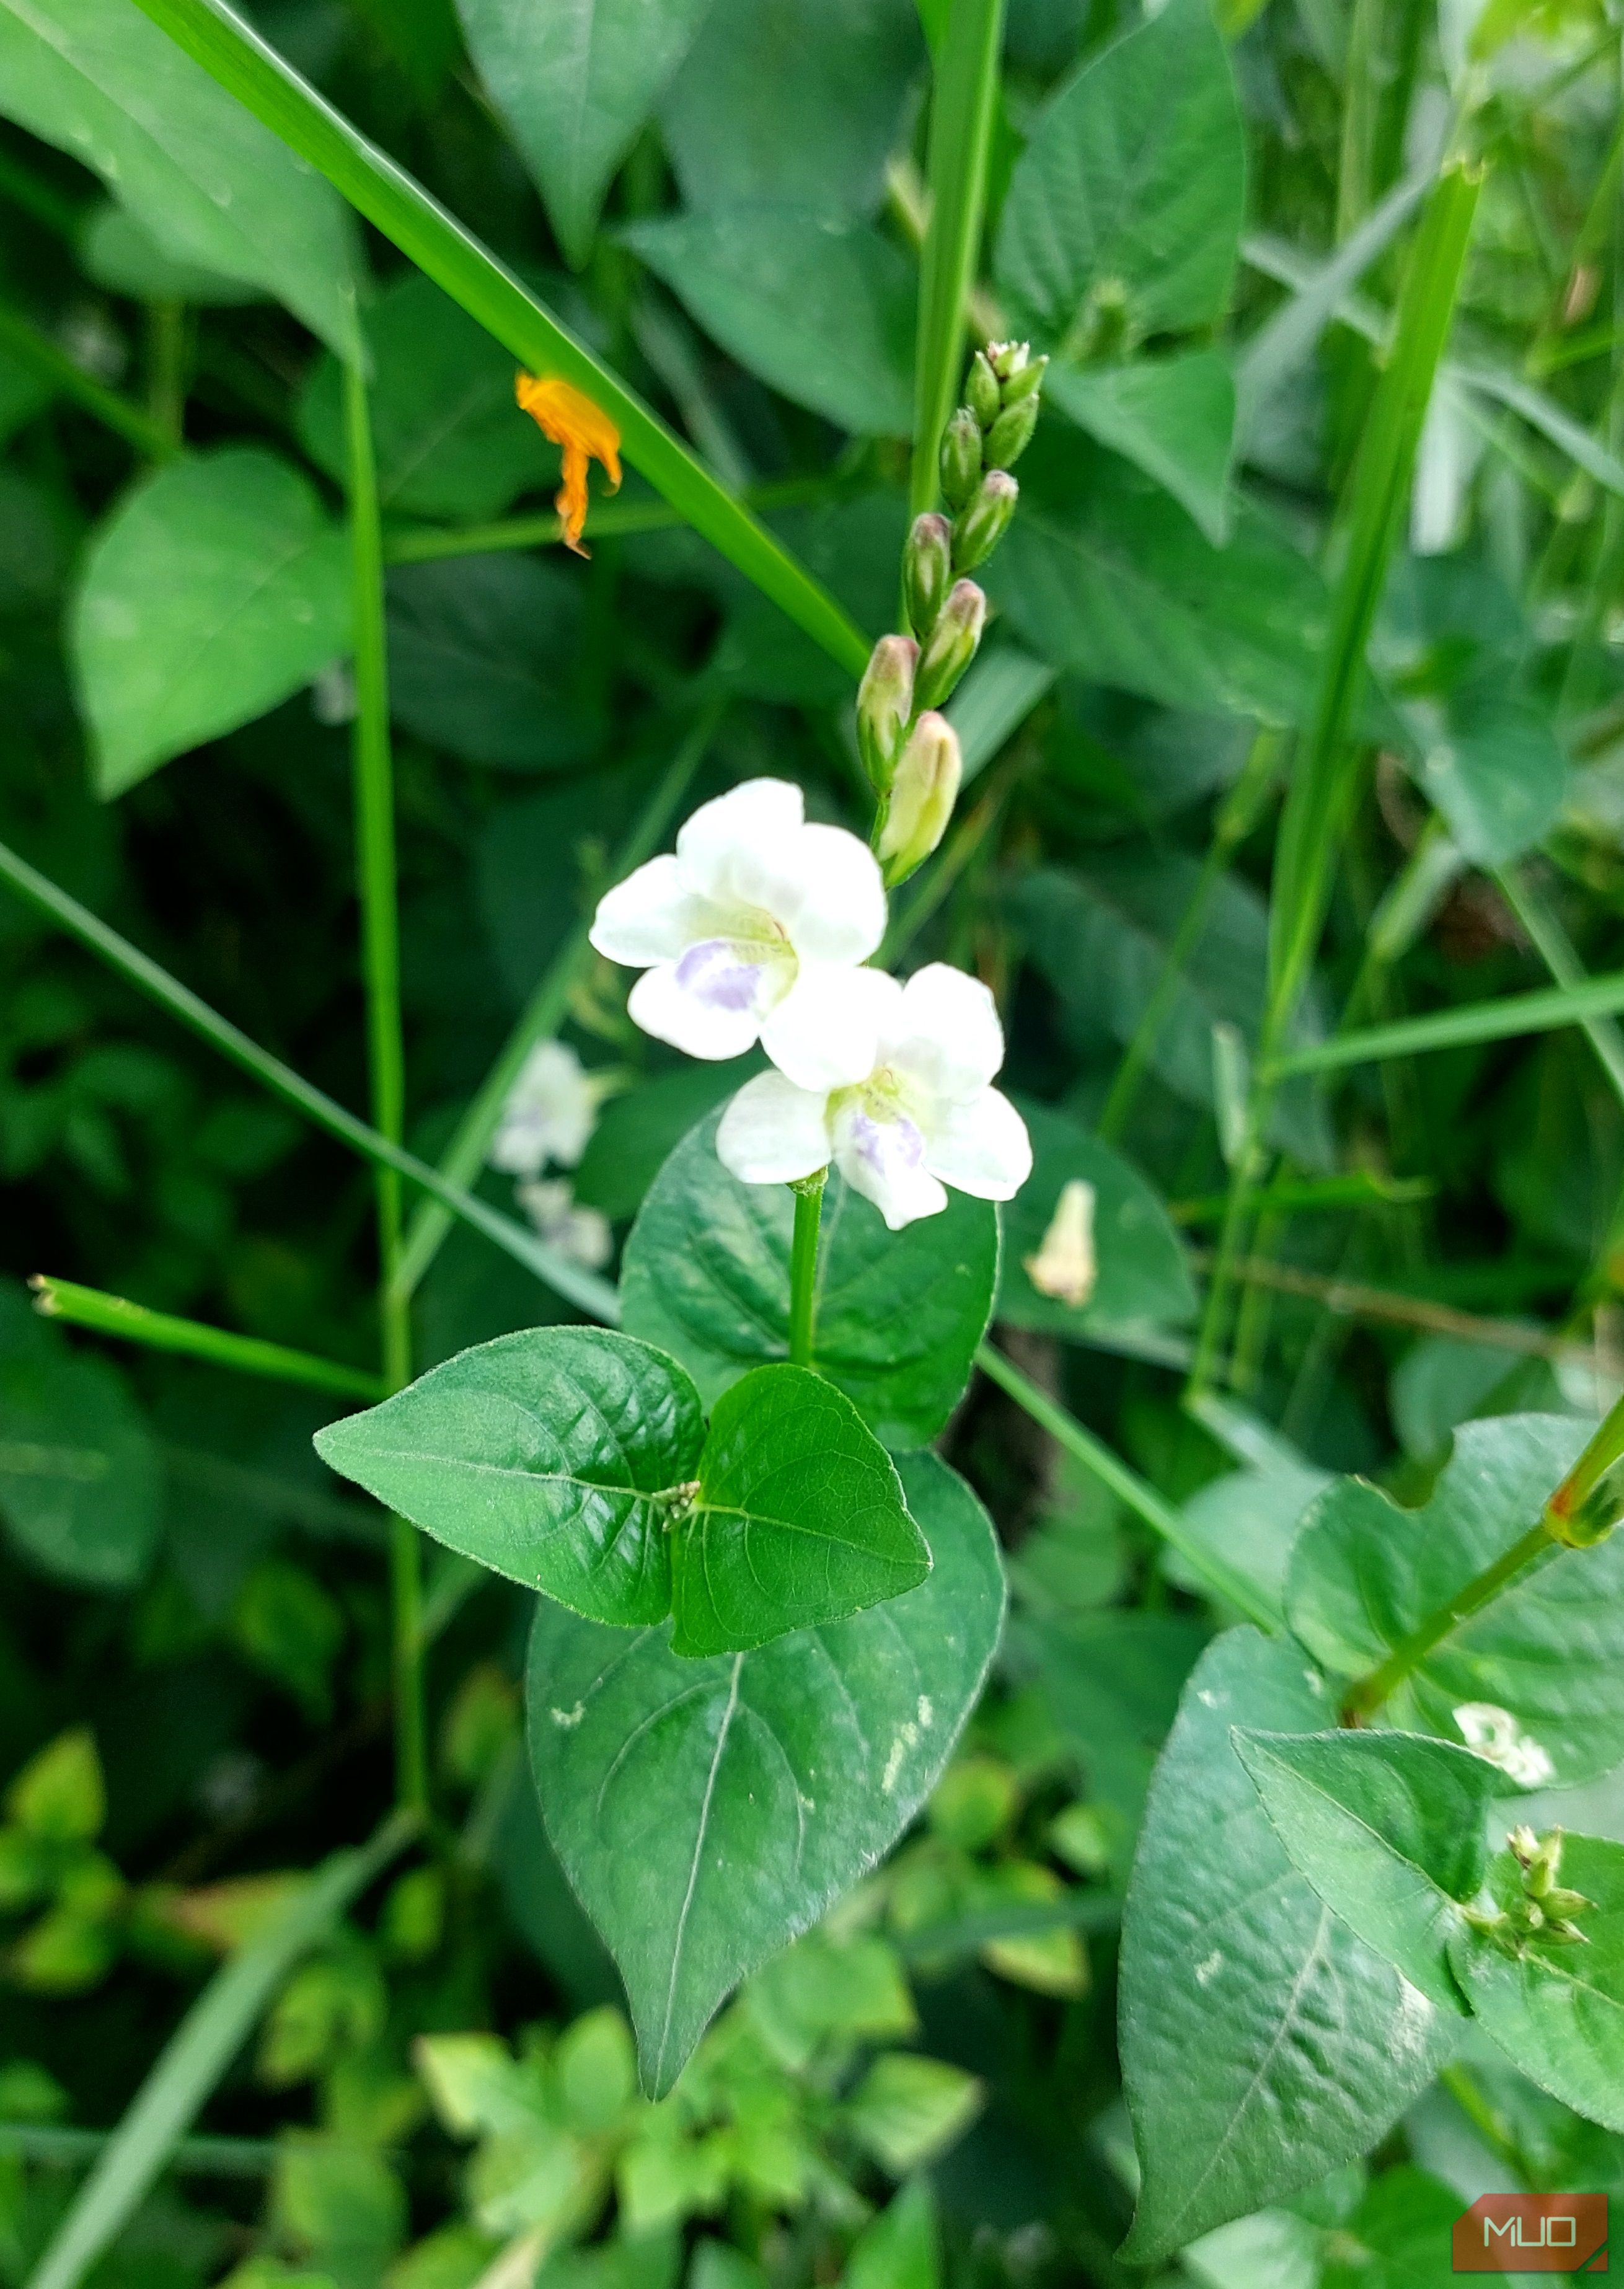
x: 58, y: 2146
x: 1585, y: 1507
x: 542, y: 1015
x: 130, y: 422
x: 803, y: 1266
x: 1368, y: 1692
x: 967, y: 82
x: 422, y: 544
x: 166, y: 369
x: 1127, y: 1485
x: 584, y: 1289
x: 112, y: 1315
x: 1555, y: 950
x: 1231, y: 1234
x: 377, y: 872
x: 1503, y: 1019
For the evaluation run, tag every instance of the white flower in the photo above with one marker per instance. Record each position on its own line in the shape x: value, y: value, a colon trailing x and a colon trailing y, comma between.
x: 551, y: 1111
x: 1065, y: 1265
x: 582, y: 1234
x: 752, y: 931
x: 923, y: 1116
x: 1493, y: 1733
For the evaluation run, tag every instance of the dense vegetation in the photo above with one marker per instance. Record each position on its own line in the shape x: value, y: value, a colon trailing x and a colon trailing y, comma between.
x: 1177, y: 1797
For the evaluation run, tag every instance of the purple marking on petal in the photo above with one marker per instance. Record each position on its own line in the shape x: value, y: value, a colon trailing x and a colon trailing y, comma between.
x: 714, y: 974
x: 886, y: 1145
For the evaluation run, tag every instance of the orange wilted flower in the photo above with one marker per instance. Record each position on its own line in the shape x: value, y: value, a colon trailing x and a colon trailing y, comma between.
x: 568, y: 416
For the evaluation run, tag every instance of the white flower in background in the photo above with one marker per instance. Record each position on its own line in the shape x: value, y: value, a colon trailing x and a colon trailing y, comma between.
x: 583, y: 1234
x: 551, y: 1111
x: 1065, y: 1267
x: 924, y: 1115
x: 1493, y: 1733
x: 753, y: 931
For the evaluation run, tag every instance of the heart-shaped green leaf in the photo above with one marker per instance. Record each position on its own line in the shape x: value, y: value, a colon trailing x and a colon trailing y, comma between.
x: 799, y: 1518
x: 544, y: 1456
x: 708, y: 1812
x: 1388, y: 1827
x: 707, y: 1276
x: 1549, y: 1650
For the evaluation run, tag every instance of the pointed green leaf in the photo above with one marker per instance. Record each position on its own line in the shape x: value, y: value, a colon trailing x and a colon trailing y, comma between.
x: 1174, y: 417
x: 542, y: 1455
x: 575, y: 81
x: 799, y: 1518
x: 1389, y: 1828
x: 708, y: 1812
x: 215, y: 590
x: 1398, y: 2238
x: 1245, y: 2003
x: 707, y: 1277
x: 1557, y: 2011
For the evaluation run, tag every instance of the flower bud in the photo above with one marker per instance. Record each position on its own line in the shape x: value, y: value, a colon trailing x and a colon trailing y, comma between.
x: 1011, y: 434
x: 960, y: 458
x: 952, y: 644
x: 982, y: 393
x: 922, y: 798
x: 885, y: 702
x: 1008, y: 359
x: 985, y: 522
x: 1026, y: 382
x: 927, y: 569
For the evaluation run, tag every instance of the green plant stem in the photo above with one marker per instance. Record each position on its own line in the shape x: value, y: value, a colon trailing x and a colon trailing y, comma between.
x: 803, y: 1266
x: 1504, y: 1019
x: 1572, y: 1513
x: 1127, y: 1485
x: 166, y: 369
x: 423, y: 544
x: 135, y: 425
x: 199, y: 2051
x: 1359, y: 1188
x: 584, y: 1289
x: 542, y: 1015
x: 161, y: 1331
x: 967, y: 82
x: 1555, y: 950
x: 1238, y: 1209
x: 378, y: 876
x: 397, y: 205
x: 1368, y: 1692
x: 56, y: 2144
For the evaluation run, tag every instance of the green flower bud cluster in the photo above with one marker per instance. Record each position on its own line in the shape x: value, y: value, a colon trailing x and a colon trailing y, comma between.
x: 1547, y: 1908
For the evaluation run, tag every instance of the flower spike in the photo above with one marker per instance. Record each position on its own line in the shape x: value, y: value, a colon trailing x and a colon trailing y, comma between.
x: 568, y: 416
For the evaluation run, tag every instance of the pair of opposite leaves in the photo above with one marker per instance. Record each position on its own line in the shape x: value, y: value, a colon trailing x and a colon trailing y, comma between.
x: 577, y: 1462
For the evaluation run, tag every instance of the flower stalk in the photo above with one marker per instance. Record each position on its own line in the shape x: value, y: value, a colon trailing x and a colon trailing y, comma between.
x: 808, y: 1193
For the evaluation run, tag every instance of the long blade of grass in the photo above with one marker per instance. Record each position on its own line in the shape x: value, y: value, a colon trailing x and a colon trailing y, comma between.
x: 542, y: 1015
x: 1557, y: 951
x: 584, y: 1289
x: 199, y: 2050
x: 1503, y: 1020
x: 162, y: 1331
x: 967, y: 78
x: 398, y: 205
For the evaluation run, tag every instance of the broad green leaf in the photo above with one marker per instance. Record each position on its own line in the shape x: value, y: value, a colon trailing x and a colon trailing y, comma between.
x: 1174, y: 417
x: 1398, y: 2238
x: 212, y: 186
x: 708, y: 1813
x: 214, y: 591
x: 482, y: 660
x: 1389, y: 1828
x: 1103, y: 573
x: 793, y: 102
x: 1245, y: 2003
x: 798, y: 1518
x: 705, y: 1276
x: 1557, y: 2011
x: 81, y: 1485
x: 121, y: 254
x: 1142, y: 1274
x: 575, y: 81
x: 820, y: 307
x: 1126, y: 205
x: 1101, y: 933
x: 1550, y: 1649
x: 907, y: 2110
x: 542, y: 1455
x: 448, y: 439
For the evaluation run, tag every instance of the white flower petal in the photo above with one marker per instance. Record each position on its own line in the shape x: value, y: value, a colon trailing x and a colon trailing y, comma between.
x: 884, y: 1159
x: 552, y: 1110
x: 702, y: 1027
x: 980, y: 1147
x: 725, y: 846
x: 650, y: 917
x: 947, y: 1032
x: 825, y: 1033
x: 830, y: 896
x: 773, y: 1132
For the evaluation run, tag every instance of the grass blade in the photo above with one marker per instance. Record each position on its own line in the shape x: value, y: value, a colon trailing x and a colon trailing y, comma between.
x: 399, y: 206
x: 162, y: 1331
x: 1555, y: 950
x: 966, y: 79
x: 198, y: 2053
x: 584, y: 1289
x: 1503, y: 1020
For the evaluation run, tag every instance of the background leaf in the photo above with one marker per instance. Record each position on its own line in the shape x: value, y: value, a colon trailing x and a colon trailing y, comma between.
x: 483, y: 655
x: 1174, y: 417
